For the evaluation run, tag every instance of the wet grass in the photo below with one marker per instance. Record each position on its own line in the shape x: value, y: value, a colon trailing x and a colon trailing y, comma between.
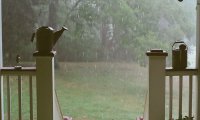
x: 101, y: 91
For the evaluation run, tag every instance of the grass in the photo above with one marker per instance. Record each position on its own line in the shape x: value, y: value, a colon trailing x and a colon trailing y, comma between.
x: 101, y: 91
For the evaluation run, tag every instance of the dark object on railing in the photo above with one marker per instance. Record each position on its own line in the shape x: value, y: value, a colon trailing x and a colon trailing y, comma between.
x: 18, y: 66
x: 179, y: 55
x: 18, y: 58
x: 186, y: 118
x: 180, y: 0
x: 46, y: 38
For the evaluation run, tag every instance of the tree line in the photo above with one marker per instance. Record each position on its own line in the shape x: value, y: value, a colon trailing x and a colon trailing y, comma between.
x: 99, y: 30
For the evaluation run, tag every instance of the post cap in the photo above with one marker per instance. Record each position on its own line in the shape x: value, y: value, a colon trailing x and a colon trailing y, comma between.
x: 156, y: 52
x: 39, y: 54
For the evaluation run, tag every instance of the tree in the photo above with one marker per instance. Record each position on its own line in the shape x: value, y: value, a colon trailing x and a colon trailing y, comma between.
x: 105, y: 29
x: 18, y: 25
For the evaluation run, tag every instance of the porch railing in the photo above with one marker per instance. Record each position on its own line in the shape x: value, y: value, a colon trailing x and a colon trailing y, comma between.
x: 159, y: 75
x: 189, y: 75
x: 17, y: 74
x: 46, y: 102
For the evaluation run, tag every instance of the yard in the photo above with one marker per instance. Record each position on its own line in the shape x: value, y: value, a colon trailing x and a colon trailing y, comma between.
x: 101, y: 91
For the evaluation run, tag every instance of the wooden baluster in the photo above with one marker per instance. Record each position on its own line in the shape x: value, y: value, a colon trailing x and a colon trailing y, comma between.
x: 8, y: 98
x: 180, y: 96
x: 1, y: 98
x: 190, y: 95
x: 31, y: 97
x: 20, y: 96
x: 170, y: 98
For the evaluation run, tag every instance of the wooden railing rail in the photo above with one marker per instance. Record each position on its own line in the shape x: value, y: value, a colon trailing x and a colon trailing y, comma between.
x: 169, y: 71
x: 189, y: 73
x: 18, y: 73
x: 190, y: 78
x: 47, y: 103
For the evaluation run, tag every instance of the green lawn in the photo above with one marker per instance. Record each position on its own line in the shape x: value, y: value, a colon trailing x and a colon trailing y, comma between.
x: 101, y: 91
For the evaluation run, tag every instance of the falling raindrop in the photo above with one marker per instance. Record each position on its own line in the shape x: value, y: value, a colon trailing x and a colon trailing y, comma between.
x: 126, y: 52
x: 82, y: 36
x: 113, y: 48
x: 102, y: 116
x: 98, y: 10
x: 83, y: 54
x: 120, y: 4
x: 78, y: 15
x: 135, y: 28
x: 96, y: 55
x: 138, y: 6
x: 107, y: 57
x: 95, y: 66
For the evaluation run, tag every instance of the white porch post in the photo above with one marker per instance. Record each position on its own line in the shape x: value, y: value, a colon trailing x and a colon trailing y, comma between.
x: 197, y: 116
x: 45, y: 87
x: 1, y: 64
x: 156, y: 97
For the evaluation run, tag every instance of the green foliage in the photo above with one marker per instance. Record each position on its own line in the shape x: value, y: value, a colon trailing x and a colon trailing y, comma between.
x: 138, y: 25
x: 18, y: 24
x: 102, y: 29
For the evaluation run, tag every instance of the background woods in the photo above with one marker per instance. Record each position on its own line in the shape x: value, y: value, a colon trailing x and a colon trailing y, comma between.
x: 99, y: 30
